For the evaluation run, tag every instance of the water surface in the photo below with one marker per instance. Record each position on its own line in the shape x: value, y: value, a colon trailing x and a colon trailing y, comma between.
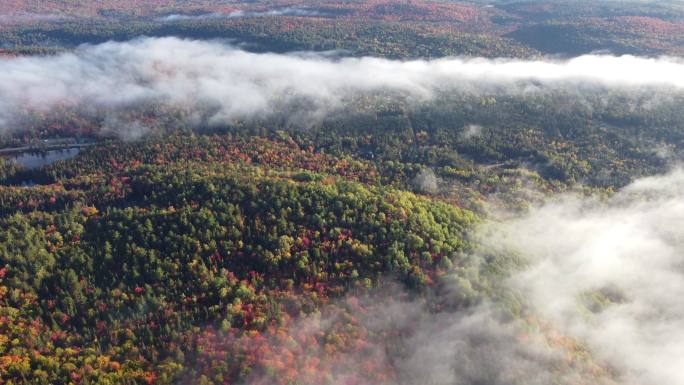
x: 33, y: 160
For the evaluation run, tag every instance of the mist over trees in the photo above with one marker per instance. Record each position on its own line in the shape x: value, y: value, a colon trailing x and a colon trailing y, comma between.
x: 570, y: 120
x: 336, y: 193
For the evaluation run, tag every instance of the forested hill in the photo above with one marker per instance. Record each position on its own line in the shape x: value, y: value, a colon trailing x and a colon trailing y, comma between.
x: 117, y: 270
x: 198, y: 259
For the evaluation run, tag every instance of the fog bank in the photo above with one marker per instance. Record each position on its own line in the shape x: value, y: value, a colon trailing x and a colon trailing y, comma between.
x: 611, y: 274
x: 214, y: 83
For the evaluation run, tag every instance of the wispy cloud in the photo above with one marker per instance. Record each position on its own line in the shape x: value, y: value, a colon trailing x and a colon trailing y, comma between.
x: 23, y: 17
x: 287, y: 11
x: 216, y: 83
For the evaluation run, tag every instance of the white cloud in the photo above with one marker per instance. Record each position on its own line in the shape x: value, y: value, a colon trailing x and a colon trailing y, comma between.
x: 220, y: 83
x: 612, y: 274
x: 471, y: 131
x: 287, y: 11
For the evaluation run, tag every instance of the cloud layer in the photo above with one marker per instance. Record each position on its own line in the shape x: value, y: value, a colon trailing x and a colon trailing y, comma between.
x: 612, y: 274
x: 215, y: 83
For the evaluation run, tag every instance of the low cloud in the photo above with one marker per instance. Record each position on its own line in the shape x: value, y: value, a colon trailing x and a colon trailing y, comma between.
x: 215, y: 83
x: 471, y: 131
x: 287, y: 11
x: 426, y: 181
x: 383, y: 340
x: 611, y: 273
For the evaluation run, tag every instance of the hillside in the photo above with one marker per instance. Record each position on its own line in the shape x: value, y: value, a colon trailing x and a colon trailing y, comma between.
x: 122, y: 265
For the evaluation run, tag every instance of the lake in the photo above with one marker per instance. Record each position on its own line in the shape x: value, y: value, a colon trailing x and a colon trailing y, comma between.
x: 32, y: 160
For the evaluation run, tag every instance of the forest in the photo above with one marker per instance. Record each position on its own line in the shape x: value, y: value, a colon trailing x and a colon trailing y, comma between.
x: 193, y: 259
x: 373, y: 192
x: 411, y: 29
x: 137, y: 254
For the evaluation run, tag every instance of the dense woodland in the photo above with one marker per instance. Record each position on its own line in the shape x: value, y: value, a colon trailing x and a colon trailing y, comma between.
x: 194, y: 259
x: 600, y: 137
x: 129, y: 267
x: 393, y: 29
x: 259, y: 251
